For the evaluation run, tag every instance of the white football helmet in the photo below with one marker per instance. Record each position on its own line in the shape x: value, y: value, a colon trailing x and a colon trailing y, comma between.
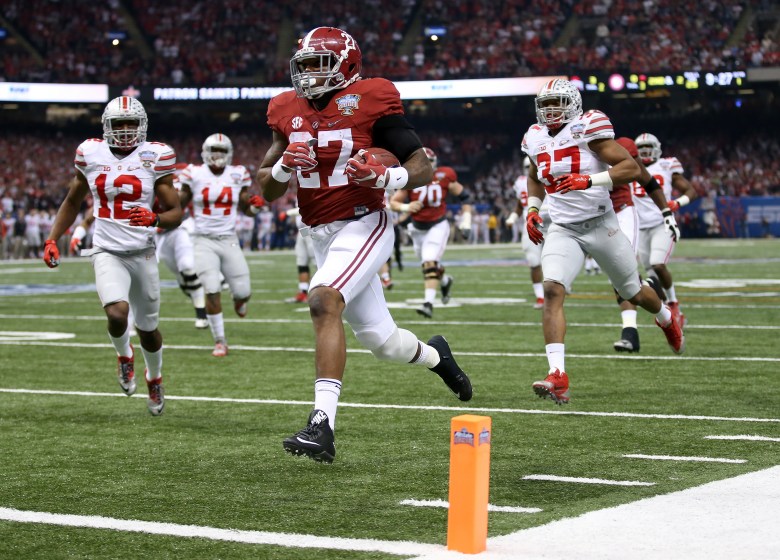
x: 567, y: 108
x: 649, y: 148
x: 124, y: 108
x: 432, y: 157
x: 217, y: 151
x: 526, y: 165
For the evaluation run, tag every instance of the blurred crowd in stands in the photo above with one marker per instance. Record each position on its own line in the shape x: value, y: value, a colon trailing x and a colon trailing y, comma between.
x: 239, y: 42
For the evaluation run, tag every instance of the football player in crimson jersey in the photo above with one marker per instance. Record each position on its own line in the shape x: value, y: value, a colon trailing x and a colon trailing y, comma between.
x: 574, y: 163
x: 430, y: 229
x: 655, y: 247
x: 625, y: 210
x: 125, y: 173
x: 319, y: 133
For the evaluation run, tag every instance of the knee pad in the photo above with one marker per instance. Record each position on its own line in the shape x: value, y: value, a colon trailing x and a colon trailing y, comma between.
x: 189, y: 281
x: 401, y: 346
x: 432, y: 270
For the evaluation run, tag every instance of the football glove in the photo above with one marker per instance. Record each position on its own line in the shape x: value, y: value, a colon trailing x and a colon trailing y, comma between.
x: 671, y: 224
x: 368, y: 172
x: 674, y: 206
x: 294, y: 212
x: 51, y: 255
x: 532, y: 224
x: 143, y: 217
x: 465, y: 225
x: 573, y: 182
x: 299, y: 156
x: 510, y: 221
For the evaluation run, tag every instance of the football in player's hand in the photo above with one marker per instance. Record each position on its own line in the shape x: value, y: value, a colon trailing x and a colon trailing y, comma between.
x: 385, y: 157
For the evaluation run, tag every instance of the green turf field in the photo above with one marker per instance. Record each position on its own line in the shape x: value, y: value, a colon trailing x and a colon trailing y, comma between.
x: 71, y: 443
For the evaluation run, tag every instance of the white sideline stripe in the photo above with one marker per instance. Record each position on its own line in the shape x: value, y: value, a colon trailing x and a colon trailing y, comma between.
x: 362, y: 351
x: 401, y: 548
x: 405, y: 406
x: 679, y: 458
x: 714, y: 521
x: 581, y: 480
x: 445, y: 504
x: 532, y: 324
x: 744, y: 438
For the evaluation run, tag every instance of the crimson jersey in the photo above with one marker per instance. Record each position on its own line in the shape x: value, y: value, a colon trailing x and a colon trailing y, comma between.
x: 342, y: 128
x: 434, y: 196
x: 621, y: 197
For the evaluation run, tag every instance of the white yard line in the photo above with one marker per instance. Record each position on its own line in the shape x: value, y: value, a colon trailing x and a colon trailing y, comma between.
x: 445, y: 504
x: 679, y: 458
x: 582, y: 480
x: 720, y: 520
x: 744, y: 438
x: 618, y: 356
x: 401, y: 548
x: 458, y: 409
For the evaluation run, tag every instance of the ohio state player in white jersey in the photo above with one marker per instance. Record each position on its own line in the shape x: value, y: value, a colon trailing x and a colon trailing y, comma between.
x: 571, y: 154
x: 533, y: 252
x: 125, y: 173
x: 320, y: 132
x: 218, y: 190
x: 655, y: 246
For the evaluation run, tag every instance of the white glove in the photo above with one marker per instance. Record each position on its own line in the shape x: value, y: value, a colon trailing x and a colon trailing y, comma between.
x: 510, y: 221
x: 465, y: 224
x: 671, y: 224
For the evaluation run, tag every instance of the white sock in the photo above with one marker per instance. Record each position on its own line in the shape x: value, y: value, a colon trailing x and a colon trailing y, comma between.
x: 556, y: 356
x: 122, y: 344
x: 217, y: 325
x: 430, y: 295
x: 664, y: 316
x: 326, y: 398
x: 198, y: 298
x: 539, y: 290
x: 153, y: 363
x: 671, y: 295
x: 303, y: 287
x: 629, y: 318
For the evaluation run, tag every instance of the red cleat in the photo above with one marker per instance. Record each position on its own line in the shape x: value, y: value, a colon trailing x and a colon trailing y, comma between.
x: 674, y: 335
x: 555, y: 386
x: 220, y: 350
x: 387, y: 284
x: 156, y: 401
x: 539, y: 303
x: 125, y: 372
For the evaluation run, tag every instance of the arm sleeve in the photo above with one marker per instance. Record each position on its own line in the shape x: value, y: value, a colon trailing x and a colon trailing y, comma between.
x: 395, y: 133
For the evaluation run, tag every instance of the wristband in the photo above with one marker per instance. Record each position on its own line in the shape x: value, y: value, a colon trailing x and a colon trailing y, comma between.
x: 156, y: 221
x: 396, y: 178
x: 532, y: 209
x: 79, y: 233
x: 404, y: 207
x: 534, y: 202
x: 279, y: 174
x: 683, y: 200
x: 601, y: 180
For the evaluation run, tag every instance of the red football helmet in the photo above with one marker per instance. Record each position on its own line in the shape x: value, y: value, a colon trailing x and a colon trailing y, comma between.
x: 431, y: 155
x: 327, y: 59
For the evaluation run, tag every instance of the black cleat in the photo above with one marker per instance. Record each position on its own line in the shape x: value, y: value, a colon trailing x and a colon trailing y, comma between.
x: 445, y: 289
x: 629, y: 341
x: 316, y: 440
x: 448, y: 369
x: 426, y: 310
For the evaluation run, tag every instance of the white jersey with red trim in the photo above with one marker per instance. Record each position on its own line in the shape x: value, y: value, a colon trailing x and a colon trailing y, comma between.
x: 648, y: 213
x: 565, y: 153
x: 120, y: 184
x: 215, y: 197
x: 520, y: 187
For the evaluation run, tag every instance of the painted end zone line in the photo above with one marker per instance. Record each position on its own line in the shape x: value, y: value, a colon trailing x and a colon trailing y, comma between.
x: 693, y: 459
x: 400, y: 548
x: 744, y: 438
x: 553, y: 478
x: 445, y: 504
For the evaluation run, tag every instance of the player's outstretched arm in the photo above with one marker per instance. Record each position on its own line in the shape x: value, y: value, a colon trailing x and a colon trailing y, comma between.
x: 271, y: 176
x: 78, y: 188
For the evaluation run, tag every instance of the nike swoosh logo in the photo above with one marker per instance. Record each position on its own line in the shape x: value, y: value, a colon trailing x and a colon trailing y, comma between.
x: 334, y: 123
x: 306, y: 441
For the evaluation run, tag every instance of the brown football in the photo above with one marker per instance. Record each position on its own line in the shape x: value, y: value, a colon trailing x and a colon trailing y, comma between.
x: 383, y: 156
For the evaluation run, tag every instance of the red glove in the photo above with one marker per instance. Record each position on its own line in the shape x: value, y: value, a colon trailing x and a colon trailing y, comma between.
x: 573, y: 182
x: 143, y: 217
x: 532, y: 224
x: 674, y: 206
x: 299, y: 156
x: 256, y: 201
x: 366, y: 170
x: 51, y: 255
